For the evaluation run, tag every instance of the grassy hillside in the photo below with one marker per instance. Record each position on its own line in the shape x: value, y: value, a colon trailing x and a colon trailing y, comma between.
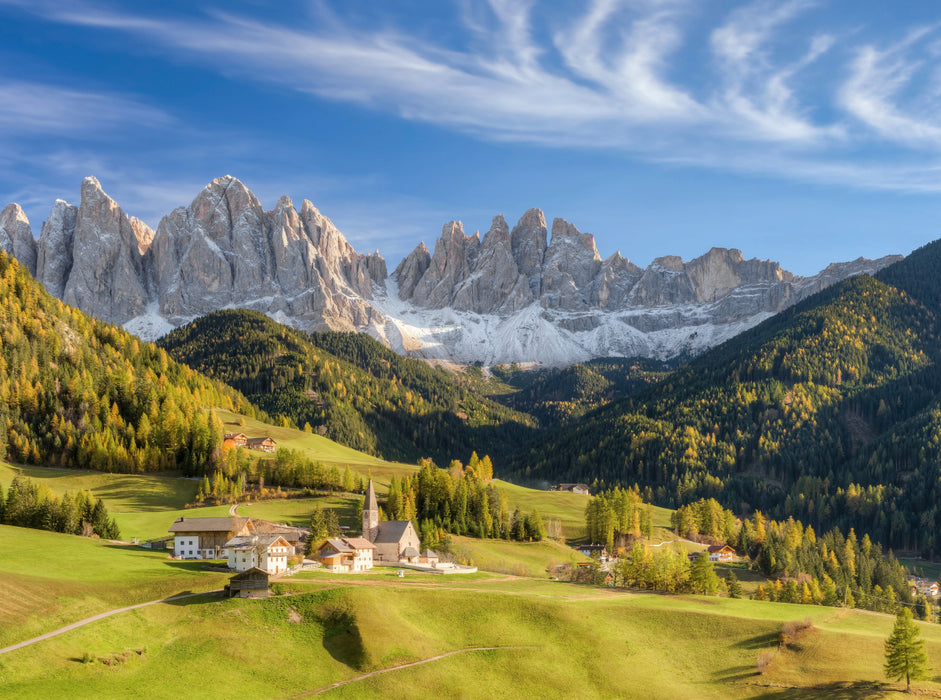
x: 539, y: 639
x: 49, y: 580
x: 317, y: 448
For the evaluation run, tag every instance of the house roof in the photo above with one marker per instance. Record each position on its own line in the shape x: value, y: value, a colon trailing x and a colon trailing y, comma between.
x: 720, y: 548
x: 254, y: 572
x: 257, y: 440
x: 230, y: 524
x: 391, y: 531
x: 263, y: 541
x: 338, y: 544
x: 359, y: 542
x: 409, y: 552
x: 232, y: 436
x: 286, y: 531
x: 428, y: 554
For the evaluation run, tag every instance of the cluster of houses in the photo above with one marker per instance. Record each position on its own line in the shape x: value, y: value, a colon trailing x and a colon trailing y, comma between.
x: 389, y: 541
x: 257, y: 549
x: 924, y: 586
x: 265, y: 444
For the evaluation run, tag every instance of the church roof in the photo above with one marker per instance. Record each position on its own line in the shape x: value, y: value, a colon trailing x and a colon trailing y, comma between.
x: 391, y: 531
x: 409, y: 552
x: 370, y: 498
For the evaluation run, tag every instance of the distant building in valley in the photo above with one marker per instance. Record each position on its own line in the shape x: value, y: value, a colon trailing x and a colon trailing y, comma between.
x: 573, y: 488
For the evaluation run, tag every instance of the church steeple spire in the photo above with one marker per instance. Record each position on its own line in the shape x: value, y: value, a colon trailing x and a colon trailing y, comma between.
x: 370, y: 514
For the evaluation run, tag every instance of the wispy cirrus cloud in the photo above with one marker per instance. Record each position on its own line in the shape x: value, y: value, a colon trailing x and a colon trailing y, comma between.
x: 667, y: 80
x: 34, y: 107
x: 876, y: 90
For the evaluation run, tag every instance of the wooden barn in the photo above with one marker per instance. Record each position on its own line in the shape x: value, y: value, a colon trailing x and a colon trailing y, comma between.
x: 248, y: 584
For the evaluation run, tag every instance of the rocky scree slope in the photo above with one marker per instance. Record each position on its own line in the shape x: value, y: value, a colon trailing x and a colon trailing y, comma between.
x: 512, y: 296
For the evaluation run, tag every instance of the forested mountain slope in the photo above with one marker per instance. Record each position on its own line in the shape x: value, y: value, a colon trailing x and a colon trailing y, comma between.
x: 830, y: 412
x: 353, y: 389
x: 560, y: 396
x: 76, y: 391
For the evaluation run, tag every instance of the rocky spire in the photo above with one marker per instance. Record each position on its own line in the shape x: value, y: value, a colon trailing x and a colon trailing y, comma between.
x: 16, y: 237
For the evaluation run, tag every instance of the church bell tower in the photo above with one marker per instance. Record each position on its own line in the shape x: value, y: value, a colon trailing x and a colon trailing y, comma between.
x: 370, y: 514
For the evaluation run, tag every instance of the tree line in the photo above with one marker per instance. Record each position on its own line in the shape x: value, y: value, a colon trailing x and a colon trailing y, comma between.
x: 28, y: 504
x: 77, y: 392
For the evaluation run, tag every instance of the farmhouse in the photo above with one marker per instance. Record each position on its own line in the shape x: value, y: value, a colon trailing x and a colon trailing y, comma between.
x: 346, y: 554
x: 598, y: 551
x: 573, y: 488
x: 721, y: 553
x: 266, y: 552
x: 265, y: 444
x: 248, y: 584
x: 234, y: 440
x: 205, y: 538
x: 296, y: 536
x: 395, y: 540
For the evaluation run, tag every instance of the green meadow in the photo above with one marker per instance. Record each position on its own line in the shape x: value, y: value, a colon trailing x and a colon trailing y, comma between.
x: 318, y: 448
x: 48, y: 580
x: 482, y: 636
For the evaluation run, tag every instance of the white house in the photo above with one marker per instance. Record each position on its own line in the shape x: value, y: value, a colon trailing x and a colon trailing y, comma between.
x: 346, y: 554
x: 266, y: 552
x: 721, y: 553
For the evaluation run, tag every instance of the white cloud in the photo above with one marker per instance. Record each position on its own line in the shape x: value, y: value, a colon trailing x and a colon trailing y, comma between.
x: 669, y: 80
x: 878, y: 79
x: 32, y: 107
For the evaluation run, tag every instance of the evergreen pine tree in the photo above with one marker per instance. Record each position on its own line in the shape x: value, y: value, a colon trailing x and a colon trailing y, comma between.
x: 734, y: 587
x: 905, y: 655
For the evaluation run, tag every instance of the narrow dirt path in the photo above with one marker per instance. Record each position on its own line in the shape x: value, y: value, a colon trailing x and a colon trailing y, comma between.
x: 326, y: 688
x: 100, y: 616
x: 233, y: 509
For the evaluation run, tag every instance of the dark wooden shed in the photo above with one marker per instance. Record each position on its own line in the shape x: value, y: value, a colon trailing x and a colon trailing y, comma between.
x: 248, y: 584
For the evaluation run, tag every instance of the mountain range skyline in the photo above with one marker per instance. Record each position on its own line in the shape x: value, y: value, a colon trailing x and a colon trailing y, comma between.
x: 805, y: 130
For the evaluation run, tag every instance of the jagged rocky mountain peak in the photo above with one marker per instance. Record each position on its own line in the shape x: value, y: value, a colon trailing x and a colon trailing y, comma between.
x: 514, y: 295
x: 16, y: 236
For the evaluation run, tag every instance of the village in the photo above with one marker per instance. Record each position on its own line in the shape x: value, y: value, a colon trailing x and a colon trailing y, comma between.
x: 258, y: 550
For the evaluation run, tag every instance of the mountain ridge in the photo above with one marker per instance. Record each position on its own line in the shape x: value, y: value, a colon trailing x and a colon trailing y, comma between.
x: 512, y: 296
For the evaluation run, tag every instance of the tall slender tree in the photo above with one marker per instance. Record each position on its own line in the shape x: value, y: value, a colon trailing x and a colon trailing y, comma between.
x: 905, y: 655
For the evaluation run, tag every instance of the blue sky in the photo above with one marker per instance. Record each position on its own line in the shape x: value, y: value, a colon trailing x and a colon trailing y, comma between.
x: 800, y: 131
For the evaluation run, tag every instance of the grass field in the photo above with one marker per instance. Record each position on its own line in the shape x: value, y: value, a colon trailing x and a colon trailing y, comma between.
x: 517, y: 558
x: 319, y: 448
x: 550, y: 639
x: 50, y: 579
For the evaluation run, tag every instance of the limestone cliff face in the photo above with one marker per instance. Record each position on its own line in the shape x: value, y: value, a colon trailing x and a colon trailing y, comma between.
x: 513, y: 296
x: 507, y: 272
x: 223, y: 250
x: 107, y: 277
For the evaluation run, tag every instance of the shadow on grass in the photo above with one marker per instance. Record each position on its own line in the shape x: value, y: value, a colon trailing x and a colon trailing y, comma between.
x: 736, y: 673
x: 342, y: 638
x: 761, y: 641
x: 839, y: 690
